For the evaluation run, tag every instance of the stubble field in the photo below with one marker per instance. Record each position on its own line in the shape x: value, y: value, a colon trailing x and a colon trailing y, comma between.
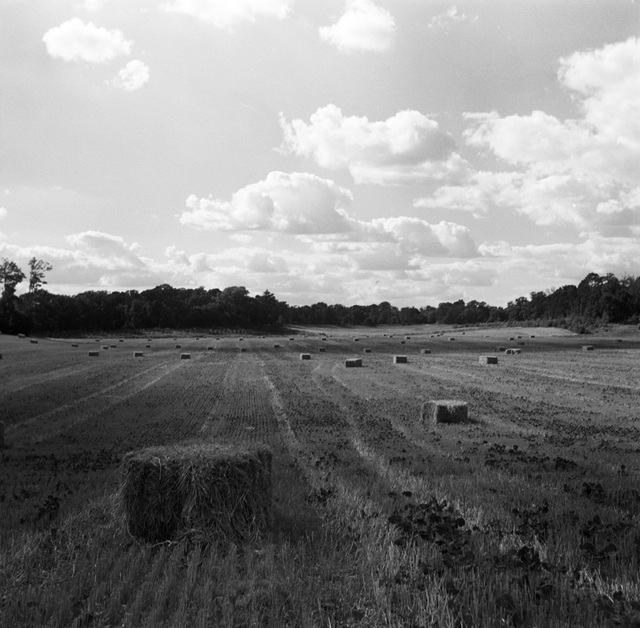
x: 526, y: 515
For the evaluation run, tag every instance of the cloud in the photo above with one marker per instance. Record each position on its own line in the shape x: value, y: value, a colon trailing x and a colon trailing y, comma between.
x: 93, y: 5
x: 132, y: 77
x: 75, y: 40
x: 293, y: 203
x: 3, y: 212
x: 445, y: 21
x: 581, y: 172
x: 404, y: 149
x: 363, y: 27
x: 225, y: 14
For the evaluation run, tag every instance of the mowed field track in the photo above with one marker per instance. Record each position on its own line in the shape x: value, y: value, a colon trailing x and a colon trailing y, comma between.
x: 539, y: 486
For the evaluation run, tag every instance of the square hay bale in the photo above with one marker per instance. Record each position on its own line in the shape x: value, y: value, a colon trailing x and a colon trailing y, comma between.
x: 240, y: 339
x: 532, y: 336
x: 33, y: 342
x: 114, y: 346
x: 185, y: 356
x: 324, y: 340
x: 488, y: 359
x: 407, y: 337
x: 305, y: 356
x: 209, y: 348
x: 147, y: 346
x: 402, y: 342
x: 178, y: 346
x: 444, y: 411
x: 367, y: 350
x: 243, y: 350
x: 321, y: 350
x: 511, y: 337
x: 137, y: 354
x: 352, y: 362
x: 501, y: 349
x: 276, y: 346
x: 21, y: 336
x: 425, y: 351
x: 587, y: 347
x: 121, y: 340
x: 105, y: 347
x: 94, y: 354
x: 213, y: 492
x: 400, y: 359
x: 356, y: 340
x: 513, y: 351
x: 451, y: 339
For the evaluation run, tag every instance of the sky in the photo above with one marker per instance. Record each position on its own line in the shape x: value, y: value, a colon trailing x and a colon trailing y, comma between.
x: 344, y: 151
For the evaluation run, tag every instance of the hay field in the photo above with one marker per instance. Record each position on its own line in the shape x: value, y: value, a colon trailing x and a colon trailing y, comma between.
x: 526, y: 515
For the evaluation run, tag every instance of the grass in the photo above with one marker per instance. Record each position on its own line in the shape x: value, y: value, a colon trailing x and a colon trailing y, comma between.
x: 526, y: 515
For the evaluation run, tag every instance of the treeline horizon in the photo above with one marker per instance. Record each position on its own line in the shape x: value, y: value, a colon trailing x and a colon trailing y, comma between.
x: 596, y: 300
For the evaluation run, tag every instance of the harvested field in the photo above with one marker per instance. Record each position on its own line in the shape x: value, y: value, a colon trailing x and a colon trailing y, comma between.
x: 526, y: 514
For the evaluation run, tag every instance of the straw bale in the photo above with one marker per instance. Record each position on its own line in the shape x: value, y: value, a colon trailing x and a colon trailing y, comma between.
x: 21, y: 336
x: 451, y: 339
x: 185, y: 356
x: 366, y: 350
x: 137, y: 354
x: 356, y: 340
x: 121, y: 340
x: 243, y: 350
x: 147, y: 346
x: 402, y: 342
x: 321, y: 350
x: 400, y: 359
x: 305, y: 356
x: 444, y: 411
x: 488, y: 359
x: 425, y: 351
x: 513, y: 351
x: 75, y: 346
x: 178, y: 346
x: 209, y: 348
x: 33, y: 342
x: 105, y: 347
x: 352, y: 362
x: 276, y: 346
x: 211, y: 492
x: 501, y: 349
x: 587, y: 347
x: 94, y: 354
x: 114, y: 346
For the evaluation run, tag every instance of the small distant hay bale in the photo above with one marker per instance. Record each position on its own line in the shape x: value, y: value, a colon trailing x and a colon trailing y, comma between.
x: 240, y: 339
x: 209, y: 348
x: 352, y: 362
x: 185, y: 356
x: 94, y: 354
x: 488, y: 359
x: 356, y: 340
x: 147, y: 346
x: 322, y: 350
x: 105, y: 347
x: 213, y: 492
x: 367, y: 350
x: 292, y: 338
x: 407, y: 337
x: 305, y: 356
x: 512, y: 338
x: 97, y: 340
x: 532, y: 336
x: 400, y: 359
x: 75, y: 345
x: 501, y: 349
x: 518, y: 337
x: 21, y: 336
x: 276, y: 346
x: 33, y: 342
x: 451, y: 339
x: 137, y: 354
x: 513, y: 351
x: 444, y: 411
x: 149, y: 339
x: 587, y: 347
x: 178, y: 346
x: 324, y: 340
x: 425, y: 351
x: 121, y: 340
x: 243, y: 350
x: 114, y: 346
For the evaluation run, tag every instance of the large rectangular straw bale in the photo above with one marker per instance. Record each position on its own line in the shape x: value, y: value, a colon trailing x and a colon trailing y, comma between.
x: 367, y: 350
x: 137, y: 354
x: 587, y: 347
x: 305, y: 356
x: 353, y: 362
x: 425, y: 351
x: 94, y: 354
x: 213, y: 492
x: 185, y: 356
x: 33, y: 341
x: 400, y: 359
x: 444, y: 411
x: 488, y: 359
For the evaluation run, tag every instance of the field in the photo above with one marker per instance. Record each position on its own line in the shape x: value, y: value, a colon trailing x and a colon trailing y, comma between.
x: 528, y: 514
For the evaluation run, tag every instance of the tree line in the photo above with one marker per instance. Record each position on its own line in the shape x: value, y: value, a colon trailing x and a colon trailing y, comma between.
x: 595, y: 300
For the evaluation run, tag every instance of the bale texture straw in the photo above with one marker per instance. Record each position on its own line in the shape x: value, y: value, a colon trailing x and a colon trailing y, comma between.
x: 137, y: 354
x: 488, y: 359
x: 444, y: 411
x: 366, y: 350
x: 33, y: 342
x: 425, y: 351
x: 305, y: 356
x: 211, y: 492
x: 352, y: 362
x: 400, y: 359
x: 185, y: 356
x: 94, y: 354
x: 587, y: 347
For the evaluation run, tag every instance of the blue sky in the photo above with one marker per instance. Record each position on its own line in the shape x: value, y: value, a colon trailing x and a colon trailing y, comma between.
x: 356, y: 151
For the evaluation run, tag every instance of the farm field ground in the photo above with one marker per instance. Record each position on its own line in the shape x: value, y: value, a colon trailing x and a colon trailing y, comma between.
x: 526, y: 515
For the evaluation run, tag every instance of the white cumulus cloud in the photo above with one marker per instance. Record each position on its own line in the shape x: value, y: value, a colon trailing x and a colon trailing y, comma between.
x: 283, y: 202
x: 445, y: 21
x: 132, y: 77
x: 406, y: 148
x: 581, y: 172
x: 225, y: 14
x: 363, y: 26
x: 75, y: 40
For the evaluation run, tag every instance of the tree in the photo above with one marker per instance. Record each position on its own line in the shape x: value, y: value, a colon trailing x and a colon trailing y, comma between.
x: 10, y: 277
x: 37, y: 269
